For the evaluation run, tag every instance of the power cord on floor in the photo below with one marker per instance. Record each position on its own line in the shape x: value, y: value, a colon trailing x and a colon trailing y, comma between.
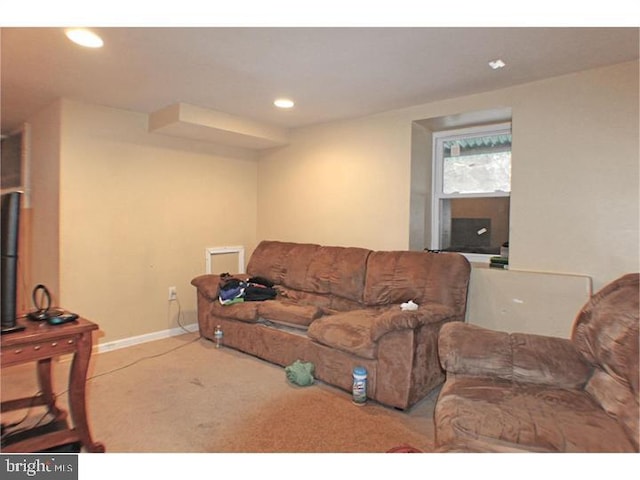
x: 6, y: 435
x: 180, y: 316
x: 10, y: 430
x: 26, y: 415
x: 149, y: 357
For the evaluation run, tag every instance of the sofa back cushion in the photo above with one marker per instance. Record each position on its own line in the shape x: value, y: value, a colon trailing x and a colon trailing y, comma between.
x: 317, y: 269
x: 606, y: 332
x: 424, y: 277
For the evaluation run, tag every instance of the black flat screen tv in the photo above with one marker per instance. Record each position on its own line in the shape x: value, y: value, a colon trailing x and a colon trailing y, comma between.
x: 9, y: 233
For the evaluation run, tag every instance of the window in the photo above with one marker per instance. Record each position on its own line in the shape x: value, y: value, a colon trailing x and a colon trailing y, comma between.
x: 11, y: 157
x: 471, y: 189
x: 14, y: 163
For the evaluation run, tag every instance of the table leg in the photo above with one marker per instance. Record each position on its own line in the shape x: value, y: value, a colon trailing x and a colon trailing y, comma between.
x: 44, y: 379
x: 77, y: 402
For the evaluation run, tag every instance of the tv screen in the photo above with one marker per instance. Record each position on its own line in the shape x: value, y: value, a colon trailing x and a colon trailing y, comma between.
x: 10, y: 231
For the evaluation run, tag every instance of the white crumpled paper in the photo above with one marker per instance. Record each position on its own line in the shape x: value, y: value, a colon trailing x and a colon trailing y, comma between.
x: 410, y: 305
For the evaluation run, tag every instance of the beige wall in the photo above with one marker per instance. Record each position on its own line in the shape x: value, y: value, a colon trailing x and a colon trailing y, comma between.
x: 45, y: 193
x: 137, y: 211
x: 421, y: 179
x: 344, y: 183
x: 575, y: 174
x: 574, y: 203
x: 527, y: 302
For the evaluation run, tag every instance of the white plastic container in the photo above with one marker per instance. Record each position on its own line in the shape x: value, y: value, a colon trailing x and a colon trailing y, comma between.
x: 359, y: 385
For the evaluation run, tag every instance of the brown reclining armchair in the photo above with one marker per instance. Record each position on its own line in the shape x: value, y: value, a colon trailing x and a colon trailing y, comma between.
x: 521, y: 392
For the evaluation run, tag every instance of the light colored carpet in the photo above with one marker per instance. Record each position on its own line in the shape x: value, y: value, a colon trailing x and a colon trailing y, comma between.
x: 183, y: 395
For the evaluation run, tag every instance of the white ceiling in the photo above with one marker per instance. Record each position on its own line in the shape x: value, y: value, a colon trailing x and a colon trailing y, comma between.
x: 332, y: 73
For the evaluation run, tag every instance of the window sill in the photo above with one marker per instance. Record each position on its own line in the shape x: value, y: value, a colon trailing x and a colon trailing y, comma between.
x: 477, y: 257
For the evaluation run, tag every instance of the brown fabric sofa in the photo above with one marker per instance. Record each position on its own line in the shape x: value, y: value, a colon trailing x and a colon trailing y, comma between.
x: 520, y: 392
x: 340, y: 307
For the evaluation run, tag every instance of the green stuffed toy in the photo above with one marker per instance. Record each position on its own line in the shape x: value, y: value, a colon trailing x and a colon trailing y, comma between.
x: 300, y: 373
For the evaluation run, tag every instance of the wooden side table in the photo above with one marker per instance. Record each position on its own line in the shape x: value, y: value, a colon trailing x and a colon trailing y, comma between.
x: 41, y: 342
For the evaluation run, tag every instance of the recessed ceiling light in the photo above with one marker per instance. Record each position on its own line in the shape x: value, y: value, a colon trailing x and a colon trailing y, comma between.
x: 84, y: 37
x: 283, y: 103
x: 496, y: 64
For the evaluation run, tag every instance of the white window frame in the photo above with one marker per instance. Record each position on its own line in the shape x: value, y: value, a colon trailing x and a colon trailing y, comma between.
x: 437, y: 178
x: 210, y: 251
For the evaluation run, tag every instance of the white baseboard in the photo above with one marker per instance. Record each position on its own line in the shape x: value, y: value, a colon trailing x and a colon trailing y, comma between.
x: 147, y: 337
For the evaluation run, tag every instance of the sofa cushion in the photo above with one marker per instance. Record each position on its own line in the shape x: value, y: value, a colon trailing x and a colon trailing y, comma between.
x: 288, y: 313
x: 348, y: 331
x: 358, y: 331
x: 473, y: 350
x: 244, y: 311
x: 424, y: 277
x: 525, y: 415
x: 326, y: 302
x: 281, y: 262
x: 312, y: 268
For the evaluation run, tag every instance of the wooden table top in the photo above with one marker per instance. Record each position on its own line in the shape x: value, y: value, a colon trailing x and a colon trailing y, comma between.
x: 42, y: 331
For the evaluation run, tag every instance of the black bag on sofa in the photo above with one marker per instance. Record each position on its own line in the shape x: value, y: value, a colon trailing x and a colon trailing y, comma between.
x: 257, y: 293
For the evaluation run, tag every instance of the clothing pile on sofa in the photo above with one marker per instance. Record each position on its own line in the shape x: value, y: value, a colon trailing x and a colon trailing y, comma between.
x: 234, y: 290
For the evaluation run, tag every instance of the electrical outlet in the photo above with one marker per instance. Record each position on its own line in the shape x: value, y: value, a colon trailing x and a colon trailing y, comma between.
x: 173, y: 293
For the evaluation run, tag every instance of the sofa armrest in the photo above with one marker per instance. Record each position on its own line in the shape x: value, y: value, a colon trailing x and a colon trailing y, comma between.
x: 397, y: 319
x: 209, y: 284
x: 526, y: 358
